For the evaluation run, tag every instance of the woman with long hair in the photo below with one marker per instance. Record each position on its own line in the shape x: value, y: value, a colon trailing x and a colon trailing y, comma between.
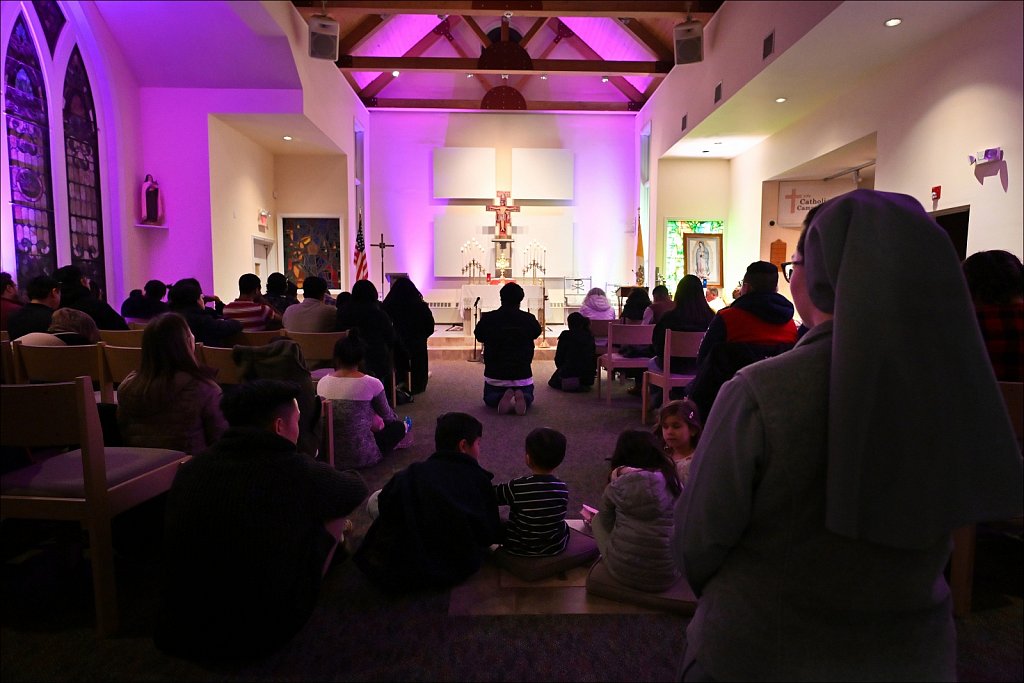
x: 364, y: 313
x: 414, y: 323
x: 170, y: 401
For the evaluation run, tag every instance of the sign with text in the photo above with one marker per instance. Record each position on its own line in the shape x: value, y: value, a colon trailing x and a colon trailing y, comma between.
x: 798, y: 197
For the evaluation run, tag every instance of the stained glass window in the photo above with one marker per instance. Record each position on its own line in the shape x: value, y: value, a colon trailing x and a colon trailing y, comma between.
x: 675, y: 252
x: 80, y: 145
x: 52, y: 20
x: 28, y: 146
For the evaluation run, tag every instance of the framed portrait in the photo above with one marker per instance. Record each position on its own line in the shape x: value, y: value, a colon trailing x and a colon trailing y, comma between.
x: 704, y: 257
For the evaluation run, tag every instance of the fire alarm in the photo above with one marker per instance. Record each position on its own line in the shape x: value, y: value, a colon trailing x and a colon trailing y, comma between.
x: 936, y: 192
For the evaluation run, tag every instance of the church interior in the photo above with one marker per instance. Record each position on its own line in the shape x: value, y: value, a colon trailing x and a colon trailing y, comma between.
x: 561, y: 145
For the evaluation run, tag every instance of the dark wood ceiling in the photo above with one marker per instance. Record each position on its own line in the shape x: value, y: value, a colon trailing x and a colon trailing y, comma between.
x: 518, y: 54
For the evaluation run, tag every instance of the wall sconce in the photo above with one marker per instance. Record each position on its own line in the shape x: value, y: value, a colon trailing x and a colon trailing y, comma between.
x: 986, y: 156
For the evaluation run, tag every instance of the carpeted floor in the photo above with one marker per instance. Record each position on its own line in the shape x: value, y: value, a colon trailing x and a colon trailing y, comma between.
x: 358, y: 633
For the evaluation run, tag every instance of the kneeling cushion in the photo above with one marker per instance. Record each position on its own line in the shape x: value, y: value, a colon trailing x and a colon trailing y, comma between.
x: 679, y: 598
x: 581, y: 549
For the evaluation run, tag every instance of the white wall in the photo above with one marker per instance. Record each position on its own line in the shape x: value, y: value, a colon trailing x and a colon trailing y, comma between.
x: 954, y: 95
x: 403, y: 209
x: 692, y: 189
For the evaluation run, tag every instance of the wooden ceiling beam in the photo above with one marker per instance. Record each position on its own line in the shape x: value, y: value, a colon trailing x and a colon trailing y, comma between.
x: 422, y: 45
x: 624, y: 86
x: 358, y: 35
x: 654, y: 9
x: 474, y: 105
x: 579, y: 67
x: 537, y: 26
x: 543, y: 55
x: 645, y: 37
x: 457, y: 45
x: 480, y: 33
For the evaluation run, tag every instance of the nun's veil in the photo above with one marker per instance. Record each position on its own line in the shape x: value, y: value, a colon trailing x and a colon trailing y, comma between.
x: 919, y: 440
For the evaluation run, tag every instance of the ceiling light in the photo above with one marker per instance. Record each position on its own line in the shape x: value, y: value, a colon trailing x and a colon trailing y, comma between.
x: 504, y: 77
x: 287, y: 138
x: 718, y: 142
x: 543, y: 77
x: 780, y: 100
x: 895, y: 21
x: 604, y: 79
x: 469, y: 75
x: 705, y: 151
x: 395, y: 73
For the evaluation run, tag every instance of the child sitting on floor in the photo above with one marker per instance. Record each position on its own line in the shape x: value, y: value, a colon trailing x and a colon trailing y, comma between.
x: 537, y: 502
x: 679, y: 428
x: 575, y: 356
x: 633, y: 528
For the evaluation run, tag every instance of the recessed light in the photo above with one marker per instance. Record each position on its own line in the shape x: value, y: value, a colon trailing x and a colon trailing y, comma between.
x: 604, y: 79
x: 780, y: 100
x: 287, y: 138
x: 895, y: 21
x: 395, y: 73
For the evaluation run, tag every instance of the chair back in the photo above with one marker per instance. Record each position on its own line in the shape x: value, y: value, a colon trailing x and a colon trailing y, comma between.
x: 316, y: 346
x: 622, y: 335
x: 119, y: 361
x: 223, y: 361
x: 257, y: 338
x: 681, y: 345
x: 1013, y: 395
x: 27, y: 410
x: 137, y: 324
x: 599, y: 328
x: 61, y: 364
x: 6, y: 362
x: 5, y: 335
x: 122, y: 337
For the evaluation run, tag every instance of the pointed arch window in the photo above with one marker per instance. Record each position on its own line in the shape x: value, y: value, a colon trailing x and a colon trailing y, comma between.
x: 52, y: 20
x: 28, y: 146
x: 82, y: 158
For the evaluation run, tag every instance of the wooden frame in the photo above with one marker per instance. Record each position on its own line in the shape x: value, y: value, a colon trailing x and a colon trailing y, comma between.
x: 704, y: 257
x: 677, y: 345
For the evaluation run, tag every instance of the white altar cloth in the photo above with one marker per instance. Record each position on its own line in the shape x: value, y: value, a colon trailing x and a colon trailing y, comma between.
x: 490, y: 300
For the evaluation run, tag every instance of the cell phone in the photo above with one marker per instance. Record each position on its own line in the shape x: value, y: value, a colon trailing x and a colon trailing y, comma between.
x: 587, y: 512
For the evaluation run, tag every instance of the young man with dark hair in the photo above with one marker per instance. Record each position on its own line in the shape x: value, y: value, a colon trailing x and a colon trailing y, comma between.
x: 250, y: 308
x: 75, y: 293
x: 35, y: 316
x: 186, y: 298
x: 145, y: 304
x: 661, y: 303
x: 251, y: 527
x: 537, y: 502
x: 507, y: 335
x: 277, y: 294
x: 312, y: 314
x: 10, y: 300
x: 437, y: 518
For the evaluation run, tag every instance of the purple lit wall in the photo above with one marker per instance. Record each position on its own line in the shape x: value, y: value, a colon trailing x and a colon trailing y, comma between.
x: 401, y: 200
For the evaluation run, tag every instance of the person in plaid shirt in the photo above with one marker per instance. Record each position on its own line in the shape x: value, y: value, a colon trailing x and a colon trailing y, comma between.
x: 997, y: 287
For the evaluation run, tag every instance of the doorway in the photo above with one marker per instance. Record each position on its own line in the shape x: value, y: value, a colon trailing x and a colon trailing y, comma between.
x: 261, y: 257
x: 955, y: 221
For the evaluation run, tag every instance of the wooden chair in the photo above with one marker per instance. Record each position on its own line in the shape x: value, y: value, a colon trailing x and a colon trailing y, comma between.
x: 61, y: 364
x: 599, y: 328
x: 137, y: 324
x: 6, y: 362
x: 223, y: 361
x: 119, y: 361
x: 258, y: 338
x: 622, y: 335
x: 316, y: 346
x: 326, y: 431
x: 961, y: 562
x: 677, y: 345
x: 5, y: 335
x: 89, y: 485
x: 122, y: 337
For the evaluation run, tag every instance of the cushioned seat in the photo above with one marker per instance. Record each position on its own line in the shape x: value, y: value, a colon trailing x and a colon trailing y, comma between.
x: 61, y: 475
x: 580, y: 550
x: 679, y: 598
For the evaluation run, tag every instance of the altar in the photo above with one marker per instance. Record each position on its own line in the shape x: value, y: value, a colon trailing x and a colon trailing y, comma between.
x: 489, y: 299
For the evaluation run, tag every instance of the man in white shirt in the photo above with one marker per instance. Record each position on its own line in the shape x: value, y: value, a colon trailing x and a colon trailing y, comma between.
x: 714, y: 301
x: 312, y: 314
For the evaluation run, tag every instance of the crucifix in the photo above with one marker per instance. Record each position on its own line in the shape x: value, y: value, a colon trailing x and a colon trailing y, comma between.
x: 503, y: 239
x: 382, y: 245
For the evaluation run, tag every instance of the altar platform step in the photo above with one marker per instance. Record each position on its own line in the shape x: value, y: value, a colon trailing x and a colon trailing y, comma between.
x: 447, y: 344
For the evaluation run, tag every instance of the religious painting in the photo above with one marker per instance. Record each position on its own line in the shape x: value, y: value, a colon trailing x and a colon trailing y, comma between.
x: 704, y: 258
x: 312, y: 247
x: 676, y: 230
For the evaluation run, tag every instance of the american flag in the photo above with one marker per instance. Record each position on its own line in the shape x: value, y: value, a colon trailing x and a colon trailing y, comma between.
x: 359, y: 257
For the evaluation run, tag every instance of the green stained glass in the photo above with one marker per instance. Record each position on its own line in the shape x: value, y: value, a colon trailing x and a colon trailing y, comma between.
x: 675, y: 253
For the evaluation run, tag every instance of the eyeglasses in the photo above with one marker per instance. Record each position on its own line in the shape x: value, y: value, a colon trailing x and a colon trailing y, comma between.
x: 787, y: 268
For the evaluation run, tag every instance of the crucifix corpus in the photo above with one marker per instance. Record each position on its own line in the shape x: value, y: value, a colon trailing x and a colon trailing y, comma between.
x: 503, y: 238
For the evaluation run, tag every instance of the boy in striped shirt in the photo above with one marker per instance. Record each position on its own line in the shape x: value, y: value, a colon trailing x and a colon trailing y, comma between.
x: 537, y: 503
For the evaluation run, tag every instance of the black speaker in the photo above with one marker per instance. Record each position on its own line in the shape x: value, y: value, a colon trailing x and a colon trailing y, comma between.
x: 323, y: 38
x: 689, y: 42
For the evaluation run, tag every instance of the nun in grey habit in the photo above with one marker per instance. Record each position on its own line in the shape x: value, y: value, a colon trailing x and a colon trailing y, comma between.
x: 816, y: 524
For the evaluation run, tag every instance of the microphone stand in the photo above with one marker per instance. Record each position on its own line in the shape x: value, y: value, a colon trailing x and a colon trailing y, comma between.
x: 476, y: 312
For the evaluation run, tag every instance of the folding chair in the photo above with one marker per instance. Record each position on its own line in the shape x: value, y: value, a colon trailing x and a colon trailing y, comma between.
x: 90, y: 485
x: 61, y: 364
x: 317, y: 349
x: 677, y: 345
x: 223, y: 361
x: 622, y: 335
x: 599, y: 328
x: 119, y: 361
